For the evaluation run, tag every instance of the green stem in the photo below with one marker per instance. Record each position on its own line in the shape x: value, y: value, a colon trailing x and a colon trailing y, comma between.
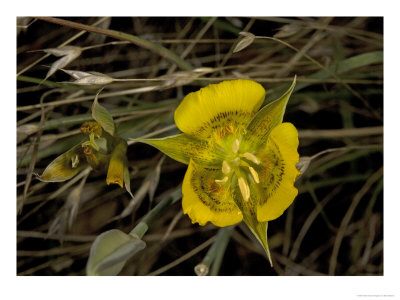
x: 142, y: 227
x: 218, y: 249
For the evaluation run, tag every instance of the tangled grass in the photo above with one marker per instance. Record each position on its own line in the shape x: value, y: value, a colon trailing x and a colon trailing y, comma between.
x: 334, y: 227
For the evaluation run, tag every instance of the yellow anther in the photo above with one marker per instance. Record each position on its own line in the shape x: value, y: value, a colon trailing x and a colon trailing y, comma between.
x: 235, y: 146
x: 244, y: 188
x: 254, y: 174
x: 226, y: 168
x: 222, y: 181
x: 251, y: 157
x: 75, y: 161
x: 91, y: 126
x: 90, y: 156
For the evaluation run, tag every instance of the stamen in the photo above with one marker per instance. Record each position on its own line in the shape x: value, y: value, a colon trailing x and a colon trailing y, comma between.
x: 254, y: 174
x: 235, y: 146
x: 75, y: 161
x: 244, y: 188
x: 226, y: 168
x: 90, y: 156
x: 251, y: 157
x: 222, y: 181
x: 91, y: 142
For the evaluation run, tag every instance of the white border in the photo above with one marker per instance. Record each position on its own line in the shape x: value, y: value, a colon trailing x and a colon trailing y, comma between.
x: 193, y: 287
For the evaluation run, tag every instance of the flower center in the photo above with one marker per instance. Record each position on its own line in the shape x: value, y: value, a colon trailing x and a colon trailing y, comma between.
x: 241, y: 167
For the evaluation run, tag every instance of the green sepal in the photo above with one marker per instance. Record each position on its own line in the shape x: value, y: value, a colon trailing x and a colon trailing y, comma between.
x: 102, y: 116
x: 265, y: 120
x: 127, y: 179
x: 65, y: 166
x: 110, y: 251
x: 249, y: 208
x: 183, y: 147
x: 259, y: 230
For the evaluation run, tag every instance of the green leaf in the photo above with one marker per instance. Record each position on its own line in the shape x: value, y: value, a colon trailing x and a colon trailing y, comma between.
x: 265, y: 120
x: 182, y: 147
x: 110, y: 251
x: 102, y: 116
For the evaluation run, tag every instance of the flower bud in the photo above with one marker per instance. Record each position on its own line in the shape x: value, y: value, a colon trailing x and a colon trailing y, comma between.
x: 110, y: 251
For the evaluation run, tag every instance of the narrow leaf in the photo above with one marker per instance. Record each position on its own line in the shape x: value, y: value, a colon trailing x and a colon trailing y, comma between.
x: 154, y: 179
x: 74, y: 198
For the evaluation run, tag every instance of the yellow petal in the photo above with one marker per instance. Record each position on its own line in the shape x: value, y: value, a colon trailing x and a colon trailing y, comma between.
x: 278, y: 172
x: 183, y: 147
x: 221, y: 109
x: 116, y: 167
x: 205, y: 200
x: 65, y: 166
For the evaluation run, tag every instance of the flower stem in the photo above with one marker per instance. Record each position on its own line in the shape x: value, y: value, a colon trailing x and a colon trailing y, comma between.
x: 215, y: 253
x: 223, y: 240
x: 142, y: 227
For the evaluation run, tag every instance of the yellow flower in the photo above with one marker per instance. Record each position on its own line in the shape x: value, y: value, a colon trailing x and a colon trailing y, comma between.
x: 241, y: 160
x: 99, y: 150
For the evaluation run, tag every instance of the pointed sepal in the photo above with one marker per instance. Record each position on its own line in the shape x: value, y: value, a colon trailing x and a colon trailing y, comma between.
x: 183, y: 147
x: 266, y: 119
x: 102, y: 116
x: 65, y: 166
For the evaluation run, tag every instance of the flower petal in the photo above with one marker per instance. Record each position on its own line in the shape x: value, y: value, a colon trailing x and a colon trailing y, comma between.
x: 278, y: 173
x: 206, y: 200
x: 222, y: 108
x: 266, y: 119
x: 65, y: 166
x: 116, y: 168
x: 183, y: 147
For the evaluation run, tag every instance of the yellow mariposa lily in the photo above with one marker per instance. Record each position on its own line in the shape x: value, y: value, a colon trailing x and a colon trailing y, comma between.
x: 241, y: 160
x: 101, y: 149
